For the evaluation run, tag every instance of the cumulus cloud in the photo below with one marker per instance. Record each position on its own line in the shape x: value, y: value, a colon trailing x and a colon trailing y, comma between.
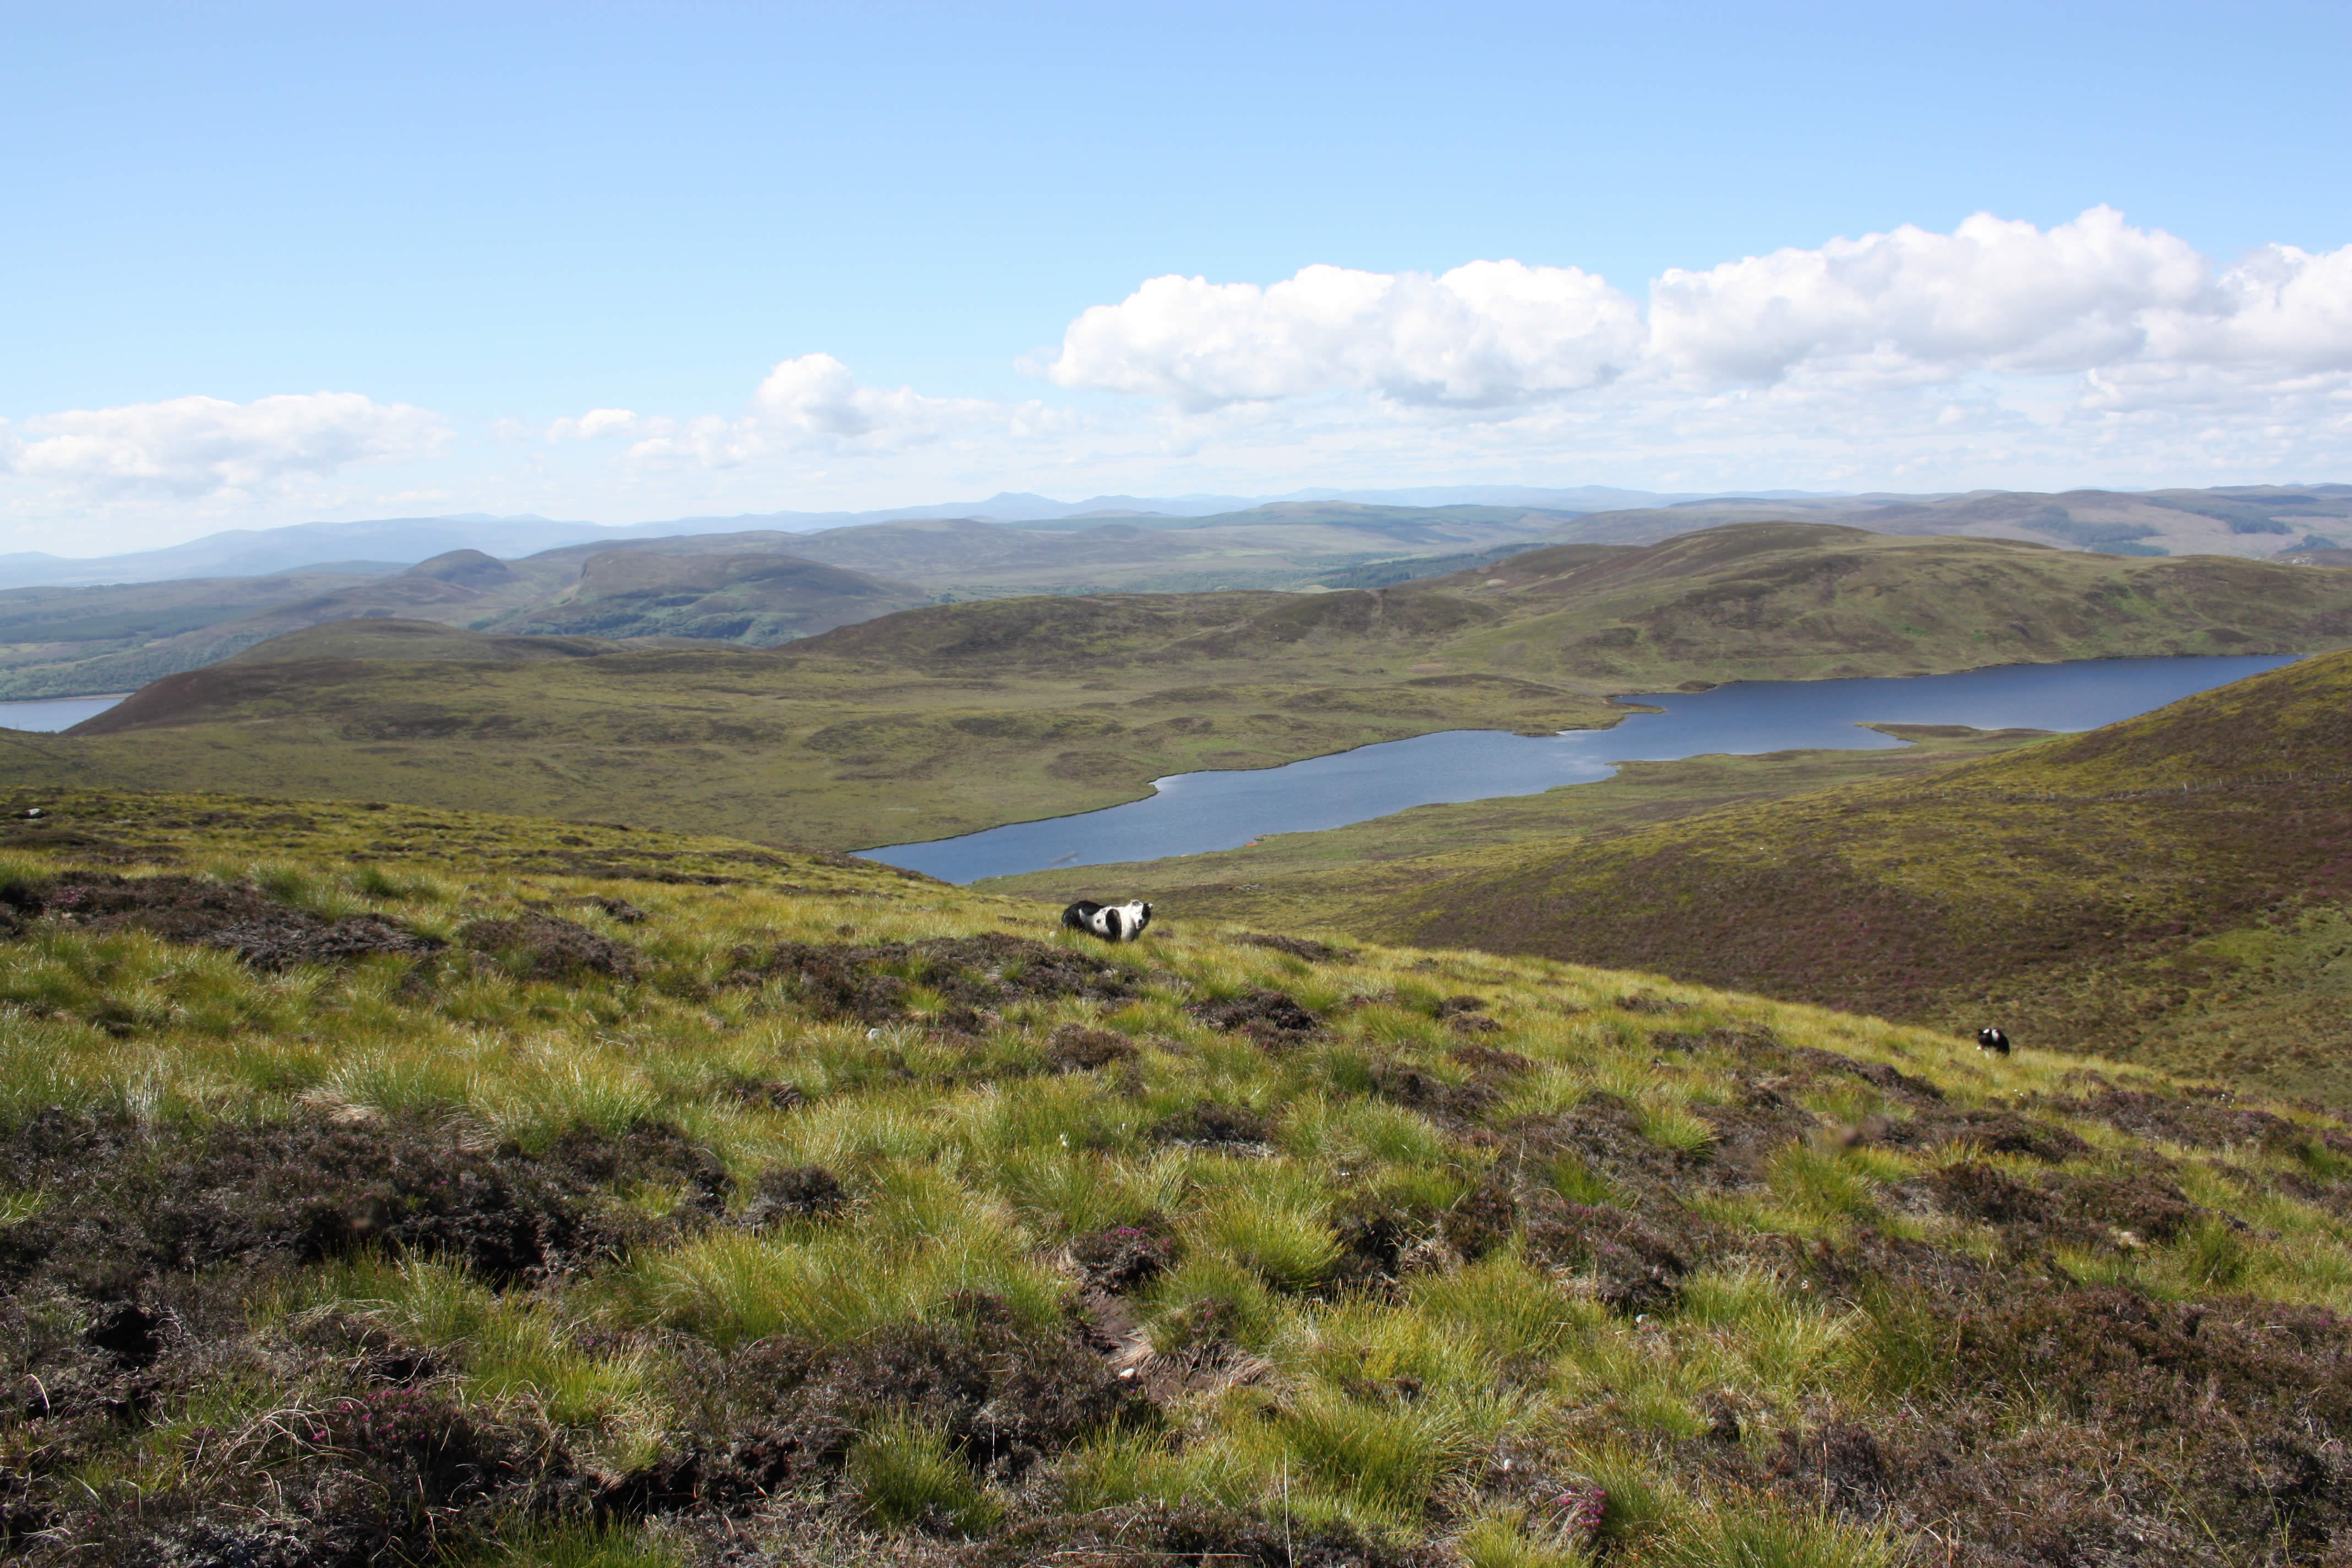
x: 1991, y: 293
x: 189, y: 448
x: 1487, y: 333
x: 2093, y: 297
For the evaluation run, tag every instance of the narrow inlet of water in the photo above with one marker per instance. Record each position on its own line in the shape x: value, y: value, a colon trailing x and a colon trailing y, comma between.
x: 50, y: 714
x: 1193, y: 814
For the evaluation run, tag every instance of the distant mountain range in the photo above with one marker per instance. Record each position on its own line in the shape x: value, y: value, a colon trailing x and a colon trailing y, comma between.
x: 761, y: 581
x: 388, y: 543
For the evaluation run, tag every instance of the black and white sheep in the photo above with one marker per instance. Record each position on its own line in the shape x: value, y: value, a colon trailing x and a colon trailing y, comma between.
x: 1112, y: 922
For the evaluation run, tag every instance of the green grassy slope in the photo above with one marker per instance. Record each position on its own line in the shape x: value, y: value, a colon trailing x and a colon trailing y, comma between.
x: 768, y: 744
x: 2254, y: 521
x: 127, y: 636
x: 1287, y: 546
x: 405, y: 1186
x: 2176, y: 888
x: 756, y: 599
x: 1809, y: 600
x: 932, y: 721
x: 74, y: 641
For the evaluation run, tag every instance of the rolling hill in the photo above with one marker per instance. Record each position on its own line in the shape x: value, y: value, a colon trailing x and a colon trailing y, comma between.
x: 942, y: 719
x: 735, y: 588
x: 2255, y: 521
x: 393, y: 1185
x: 85, y: 640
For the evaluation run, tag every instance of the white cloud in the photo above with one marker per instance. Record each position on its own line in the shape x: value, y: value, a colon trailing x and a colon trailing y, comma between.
x: 1484, y: 334
x: 2000, y: 354
x: 2280, y: 307
x: 1908, y: 307
x: 599, y: 424
x: 190, y: 447
x: 810, y: 404
x: 1992, y: 293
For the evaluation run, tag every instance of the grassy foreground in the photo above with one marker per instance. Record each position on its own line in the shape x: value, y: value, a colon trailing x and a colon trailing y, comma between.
x: 388, y: 1185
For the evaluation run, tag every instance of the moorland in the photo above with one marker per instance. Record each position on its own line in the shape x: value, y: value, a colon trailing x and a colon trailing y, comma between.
x: 760, y: 585
x: 751, y: 587
x: 2170, y: 889
x: 949, y: 718
x: 395, y: 1184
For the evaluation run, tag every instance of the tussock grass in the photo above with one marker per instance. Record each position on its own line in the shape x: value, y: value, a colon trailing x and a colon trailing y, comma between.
x: 1402, y: 1260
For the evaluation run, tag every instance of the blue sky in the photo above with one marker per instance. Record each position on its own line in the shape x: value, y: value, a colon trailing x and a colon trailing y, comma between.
x: 475, y: 226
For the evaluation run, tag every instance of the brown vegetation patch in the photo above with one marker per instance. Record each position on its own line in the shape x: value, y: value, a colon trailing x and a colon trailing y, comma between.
x: 192, y: 909
x: 1191, y: 1535
x: 1270, y: 1018
x: 2141, y: 1208
x: 1073, y: 1048
x: 1605, y: 1133
x: 2166, y: 1434
x: 548, y: 947
x: 790, y: 1413
x: 1300, y: 947
x: 1994, y: 1131
x: 1454, y: 1106
x: 1121, y: 1258
x: 621, y: 910
x: 127, y: 1202
x: 1636, y: 1265
x: 393, y: 1474
x: 1209, y: 1125
x: 1491, y: 1061
x: 2207, y: 1123
x: 794, y: 1192
x: 870, y: 984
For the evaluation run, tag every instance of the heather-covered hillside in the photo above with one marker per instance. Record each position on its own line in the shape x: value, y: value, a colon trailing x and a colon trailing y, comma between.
x: 389, y: 1185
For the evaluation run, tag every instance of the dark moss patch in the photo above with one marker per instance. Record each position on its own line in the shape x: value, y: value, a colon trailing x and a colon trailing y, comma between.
x: 2164, y: 1433
x: 1491, y: 1062
x: 1454, y: 1106
x: 399, y: 1475
x: 621, y: 910
x: 1604, y: 1132
x: 1484, y: 1219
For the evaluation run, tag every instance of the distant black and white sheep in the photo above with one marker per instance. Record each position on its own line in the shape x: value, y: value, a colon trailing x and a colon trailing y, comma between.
x: 1993, y: 1040
x: 1112, y: 922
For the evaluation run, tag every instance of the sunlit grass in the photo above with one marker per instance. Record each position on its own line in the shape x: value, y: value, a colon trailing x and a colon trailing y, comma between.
x: 1327, y: 1387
